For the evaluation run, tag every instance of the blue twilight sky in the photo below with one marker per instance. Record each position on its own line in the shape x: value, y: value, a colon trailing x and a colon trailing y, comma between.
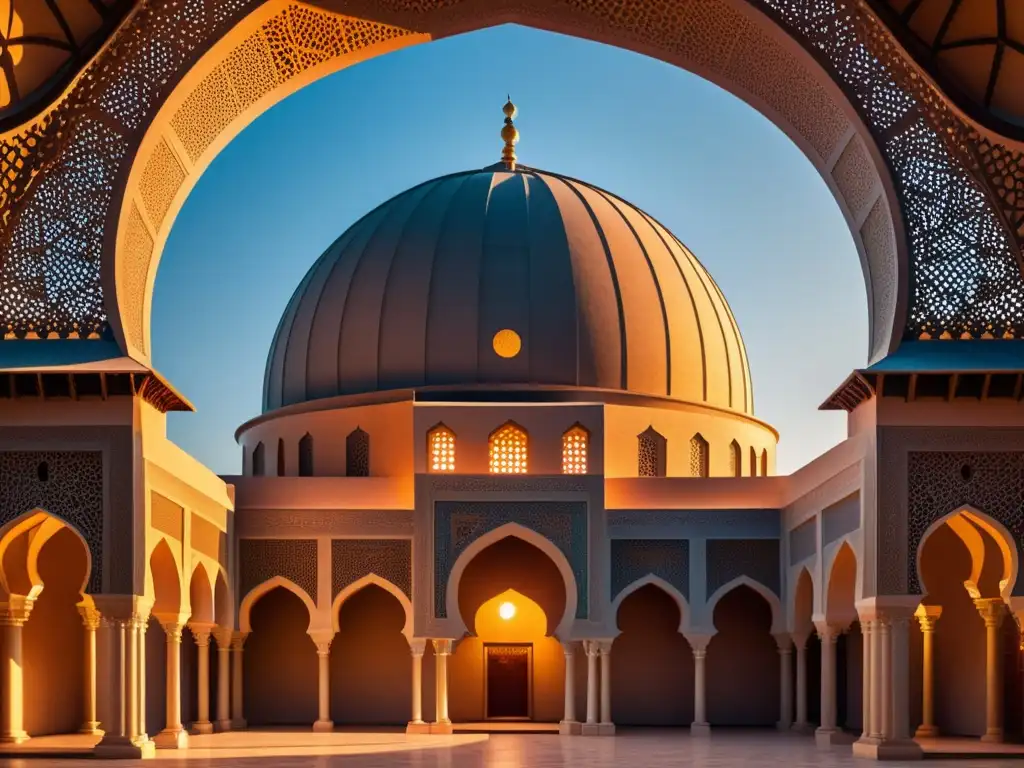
x: 723, y: 178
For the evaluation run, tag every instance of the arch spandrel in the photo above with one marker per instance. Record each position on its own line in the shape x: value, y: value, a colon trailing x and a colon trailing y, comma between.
x: 141, y: 165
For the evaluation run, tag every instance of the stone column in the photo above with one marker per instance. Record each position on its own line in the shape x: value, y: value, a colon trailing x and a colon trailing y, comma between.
x: 442, y: 650
x: 91, y: 621
x: 141, y: 625
x: 224, y: 638
x: 591, y: 727
x: 700, y: 725
x: 992, y: 611
x: 800, y: 643
x: 201, y: 633
x: 416, y: 725
x: 607, y: 727
x: 927, y: 615
x: 866, y: 633
x: 174, y: 735
x: 237, y: 707
x: 829, y: 635
x: 785, y: 644
x: 12, y: 728
x: 569, y: 724
x: 323, y: 655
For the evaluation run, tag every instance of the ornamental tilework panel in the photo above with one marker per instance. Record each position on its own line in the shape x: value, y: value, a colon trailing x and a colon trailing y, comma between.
x: 457, y: 524
x: 757, y: 559
x: 263, y: 559
x: 938, y: 482
x: 668, y: 559
x: 73, y: 491
x: 352, y: 559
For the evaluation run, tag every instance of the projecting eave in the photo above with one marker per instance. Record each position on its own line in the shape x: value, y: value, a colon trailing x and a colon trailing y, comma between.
x: 856, y: 389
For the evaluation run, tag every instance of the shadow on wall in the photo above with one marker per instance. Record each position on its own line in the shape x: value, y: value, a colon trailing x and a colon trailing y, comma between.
x: 652, y: 664
x: 743, y: 662
x: 280, y: 663
x: 371, y: 667
x: 53, y: 641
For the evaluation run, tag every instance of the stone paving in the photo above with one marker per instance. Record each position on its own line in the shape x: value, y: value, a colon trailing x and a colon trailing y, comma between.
x: 635, y: 749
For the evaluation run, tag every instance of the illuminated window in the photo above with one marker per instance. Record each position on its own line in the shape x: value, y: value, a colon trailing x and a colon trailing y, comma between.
x: 753, y: 461
x: 574, y: 451
x: 764, y: 463
x: 441, y: 446
x: 508, y: 450
x: 699, y: 456
x: 651, y: 450
x: 735, y: 460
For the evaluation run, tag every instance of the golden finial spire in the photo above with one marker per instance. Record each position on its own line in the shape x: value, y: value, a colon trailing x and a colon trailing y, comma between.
x: 510, y: 135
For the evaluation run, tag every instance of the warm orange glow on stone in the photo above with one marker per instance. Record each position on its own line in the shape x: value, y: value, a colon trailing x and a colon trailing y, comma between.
x: 507, y: 610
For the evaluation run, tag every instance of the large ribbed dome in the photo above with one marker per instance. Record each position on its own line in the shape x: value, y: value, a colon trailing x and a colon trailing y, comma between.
x: 598, y: 293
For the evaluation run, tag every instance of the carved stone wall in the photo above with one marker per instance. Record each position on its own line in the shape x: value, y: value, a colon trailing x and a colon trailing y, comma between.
x: 457, y: 524
x: 352, y: 559
x: 632, y: 559
x: 263, y: 559
x: 72, y: 491
x: 757, y: 559
x: 941, y: 481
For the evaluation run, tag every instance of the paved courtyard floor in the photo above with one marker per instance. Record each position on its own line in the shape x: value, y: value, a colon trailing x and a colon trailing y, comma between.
x: 631, y: 749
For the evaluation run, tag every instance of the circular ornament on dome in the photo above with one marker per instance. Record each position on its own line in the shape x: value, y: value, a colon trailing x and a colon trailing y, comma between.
x: 507, y: 343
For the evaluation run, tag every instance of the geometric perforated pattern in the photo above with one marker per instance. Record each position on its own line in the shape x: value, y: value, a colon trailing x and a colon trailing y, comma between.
x: 357, y: 453
x: 938, y: 482
x: 262, y: 559
x: 72, y: 491
x: 668, y: 559
x: 651, y: 450
x: 457, y: 524
x: 757, y: 559
x: 699, y: 456
x: 352, y: 559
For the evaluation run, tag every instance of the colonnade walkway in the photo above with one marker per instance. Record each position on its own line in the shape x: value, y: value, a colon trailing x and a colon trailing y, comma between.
x: 394, y: 748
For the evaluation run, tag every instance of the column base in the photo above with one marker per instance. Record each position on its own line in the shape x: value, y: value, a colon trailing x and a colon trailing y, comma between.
x: 926, y: 732
x: 91, y: 728
x: 703, y: 730
x: 223, y: 725
x: 202, y: 727
x: 606, y: 729
x: 875, y: 749
x: 569, y: 728
x: 323, y: 726
x: 14, y: 737
x: 826, y: 738
x: 123, y: 748
x: 442, y: 729
x: 590, y: 729
x: 802, y: 728
x: 417, y: 726
x: 239, y: 724
x: 171, y: 738
x: 993, y: 737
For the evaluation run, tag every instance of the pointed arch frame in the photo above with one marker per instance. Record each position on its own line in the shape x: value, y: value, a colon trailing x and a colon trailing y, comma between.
x: 372, y: 579
x: 24, y: 523
x: 254, y: 594
x: 685, y: 614
x: 745, y: 581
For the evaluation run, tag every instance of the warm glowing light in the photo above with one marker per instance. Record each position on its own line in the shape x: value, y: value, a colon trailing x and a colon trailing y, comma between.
x: 506, y: 343
x: 441, y: 444
x: 506, y: 611
x: 574, y: 451
x: 508, y: 451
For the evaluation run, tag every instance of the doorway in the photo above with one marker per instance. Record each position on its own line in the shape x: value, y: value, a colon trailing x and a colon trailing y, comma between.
x: 507, y: 681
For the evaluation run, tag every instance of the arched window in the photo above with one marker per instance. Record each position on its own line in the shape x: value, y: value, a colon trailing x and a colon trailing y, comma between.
x: 574, y: 450
x: 753, y: 461
x: 735, y: 460
x: 699, y: 456
x: 258, y: 465
x: 651, y: 453
x: 441, y: 449
x: 280, y: 457
x: 508, y: 444
x: 306, y: 456
x: 357, y: 453
x: 764, y: 462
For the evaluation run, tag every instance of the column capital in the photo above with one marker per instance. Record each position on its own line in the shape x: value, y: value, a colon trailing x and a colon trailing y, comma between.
x: 784, y: 641
x: 442, y: 646
x: 173, y: 630
x: 224, y: 637
x: 569, y: 648
x: 828, y: 632
x: 418, y: 646
x: 927, y: 615
x: 90, y: 616
x: 201, y: 632
x: 238, y: 640
x: 604, y: 647
x: 126, y: 609
x: 991, y: 609
x: 14, y: 612
x: 590, y: 648
x: 698, y: 640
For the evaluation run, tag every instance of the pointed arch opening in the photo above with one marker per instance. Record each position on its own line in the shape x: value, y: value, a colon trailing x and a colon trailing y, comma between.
x: 700, y: 456
x: 259, y: 466
x: 280, y: 458
x: 357, y: 453
x: 652, y: 453
x: 306, y: 455
x: 735, y: 459
x: 840, y: 610
x: 575, y: 446
x: 441, y: 449
x: 508, y: 450
x: 764, y: 462
x: 753, y: 461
